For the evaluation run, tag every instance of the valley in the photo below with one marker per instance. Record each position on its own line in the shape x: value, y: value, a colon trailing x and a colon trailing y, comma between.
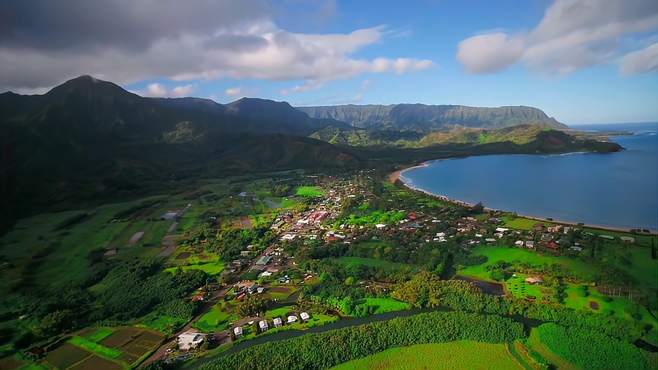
x: 333, y: 247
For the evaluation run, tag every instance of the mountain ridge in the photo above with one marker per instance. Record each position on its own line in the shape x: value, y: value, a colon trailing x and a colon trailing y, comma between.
x: 427, y: 118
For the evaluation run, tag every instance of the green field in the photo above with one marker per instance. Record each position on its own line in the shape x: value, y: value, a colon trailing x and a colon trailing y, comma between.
x: 518, y: 256
x: 309, y: 192
x: 383, y: 305
x: 95, y: 347
x: 522, y: 223
x: 99, y: 334
x: 217, y: 319
x: 451, y: 355
x: 210, y: 268
x: 518, y: 287
x: 594, y: 301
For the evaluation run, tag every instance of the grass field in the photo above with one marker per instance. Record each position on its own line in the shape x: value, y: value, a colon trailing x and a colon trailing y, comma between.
x: 521, y: 223
x: 210, y: 268
x: 217, y: 319
x: 594, y: 301
x: 309, y: 191
x: 383, y: 305
x: 452, y: 355
x: 518, y: 287
x: 516, y: 256
x: 94, y: 347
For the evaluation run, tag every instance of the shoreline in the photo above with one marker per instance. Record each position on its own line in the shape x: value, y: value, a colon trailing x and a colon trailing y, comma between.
x: 397, y: 175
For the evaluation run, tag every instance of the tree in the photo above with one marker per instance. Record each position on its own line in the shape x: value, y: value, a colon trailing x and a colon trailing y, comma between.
x: 252, y: 305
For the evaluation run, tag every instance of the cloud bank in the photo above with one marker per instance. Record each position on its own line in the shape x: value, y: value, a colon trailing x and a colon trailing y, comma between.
x: 573, y: 34
x: 43, y: 42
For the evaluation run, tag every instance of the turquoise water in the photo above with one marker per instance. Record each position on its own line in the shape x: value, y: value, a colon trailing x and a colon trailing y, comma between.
x: 614, y: 189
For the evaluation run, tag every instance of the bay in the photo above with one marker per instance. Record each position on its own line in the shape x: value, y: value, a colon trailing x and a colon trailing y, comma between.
x: 614, y: 189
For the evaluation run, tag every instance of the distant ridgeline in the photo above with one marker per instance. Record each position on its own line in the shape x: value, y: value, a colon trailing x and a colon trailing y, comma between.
x: 89, y: 140
x: 427, y: 118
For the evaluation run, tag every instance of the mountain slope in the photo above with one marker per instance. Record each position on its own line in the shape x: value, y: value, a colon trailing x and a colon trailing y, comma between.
x: 87, y: 139
x: 426, y: 118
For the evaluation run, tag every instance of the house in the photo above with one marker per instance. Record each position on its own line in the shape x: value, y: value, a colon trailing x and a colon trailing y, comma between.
x: 490, y: 240
x: 380, y: 226
x: 292, y: 319
x: 170, y: 215
x: 190, y: 340
x: 530, y: 244
x: 519, y: 243
x: 627, y: 239
x: 552, y: 245
x: 305, y: 316
x: 263, y: 260
x: 576, y: 248
x: 277, y: 322
x: 288, y: 237
x: 263, y: 325
x: 554, y: 229
x: 501, y: 229
x: 265, y: 274
x: 534, y: 280
x: 237, y: 331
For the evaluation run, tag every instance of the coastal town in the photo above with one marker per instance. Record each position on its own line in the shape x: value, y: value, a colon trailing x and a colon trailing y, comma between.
x: 250, y: 261
x: 351, y: 219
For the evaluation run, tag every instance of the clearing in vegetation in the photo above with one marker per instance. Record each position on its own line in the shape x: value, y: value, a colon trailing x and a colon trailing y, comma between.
x: 451, y: 355
x: 217, y: 319
x: 309, y: 192
x: 383, y: 305
x: 513, y: 256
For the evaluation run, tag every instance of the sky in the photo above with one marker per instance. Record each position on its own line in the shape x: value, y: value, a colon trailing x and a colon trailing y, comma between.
x: 581, y: 61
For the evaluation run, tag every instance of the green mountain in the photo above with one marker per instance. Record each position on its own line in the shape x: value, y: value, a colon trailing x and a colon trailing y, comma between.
x: 88, y: 141
x: 427, y: 118
x: 88, y: 137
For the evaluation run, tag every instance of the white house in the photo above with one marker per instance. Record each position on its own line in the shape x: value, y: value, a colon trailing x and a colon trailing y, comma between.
x: 277, y: 322
x: 501, y: 229
x: 292, y: 319
x: 519, y: 243
x: 190, y: 340
x: 305, y: 316
x: 237, y: 331
x: 380, y: 226
x: 263, y: 325
x: 530, y: 244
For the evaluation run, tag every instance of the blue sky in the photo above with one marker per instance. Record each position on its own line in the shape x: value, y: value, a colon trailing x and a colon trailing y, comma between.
x: 581, y: 61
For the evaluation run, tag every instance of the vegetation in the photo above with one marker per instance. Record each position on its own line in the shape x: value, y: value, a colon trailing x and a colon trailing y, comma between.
x: 309, y: 191
x: 451, y: 355
x: 323, y: 350
x: 588, y: 349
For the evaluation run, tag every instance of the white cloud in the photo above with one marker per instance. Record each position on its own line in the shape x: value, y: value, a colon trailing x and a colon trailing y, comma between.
x: 641, y: 61
x: 242, y: 43
x: 182, y: 91
x: 238, y: 92
x: 157, y: 90
x: 489, y: 52
x: 573, y: 34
